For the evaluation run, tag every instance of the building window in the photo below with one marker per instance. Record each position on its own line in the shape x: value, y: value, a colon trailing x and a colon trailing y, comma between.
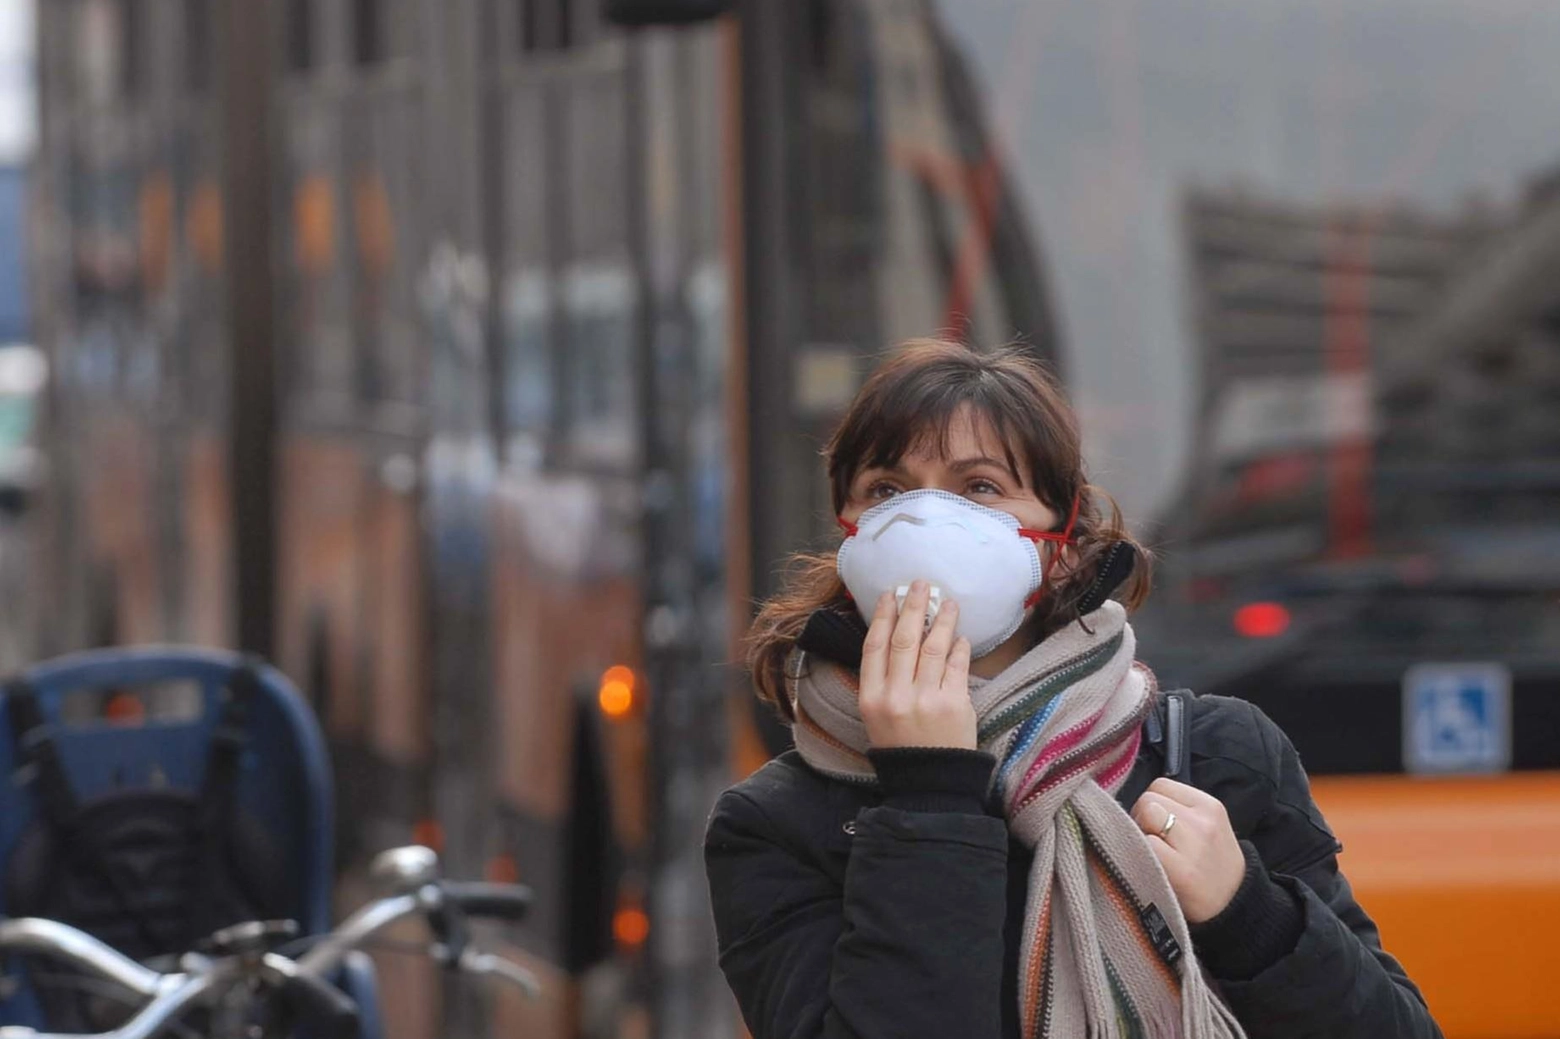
x: 132, y: 64
x: 300, y: 36
x: 547, y: 25
x: 197, y: 46
x: 528, y: 21
x: 563, y: 13
x: 368, y: 31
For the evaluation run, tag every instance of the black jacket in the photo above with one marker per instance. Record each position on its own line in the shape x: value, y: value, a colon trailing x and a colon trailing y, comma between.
x: 894, y: 910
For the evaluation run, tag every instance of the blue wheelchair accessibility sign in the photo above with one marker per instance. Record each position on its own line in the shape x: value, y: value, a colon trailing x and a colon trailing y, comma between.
x: 1457, y: 718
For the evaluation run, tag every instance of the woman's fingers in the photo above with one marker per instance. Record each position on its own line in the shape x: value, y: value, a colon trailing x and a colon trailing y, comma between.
x: 1200, y: 853
x: 1196, y: 812
x: 956, y: 676
x: 1152, y: 812
x: 1182, y: 794
x: 904, y: 646
x: 1171, y: 861
x: 915, y: 690
x: 874, y: 651
x: 935, y: 650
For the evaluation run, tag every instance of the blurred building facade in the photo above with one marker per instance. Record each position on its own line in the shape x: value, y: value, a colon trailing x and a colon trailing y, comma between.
x: 882, y: 207
x: 1296, y: 310
x: 1370, y: 379
x: 469, y: 358
x: 1374, y: 460
x: 1471, y: 386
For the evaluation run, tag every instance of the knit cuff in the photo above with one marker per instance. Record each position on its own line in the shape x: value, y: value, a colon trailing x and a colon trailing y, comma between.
x: 933, y: 779
x: 1260, y: 926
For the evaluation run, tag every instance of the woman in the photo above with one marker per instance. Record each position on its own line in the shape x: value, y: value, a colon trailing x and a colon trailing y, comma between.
x: 974, y: 836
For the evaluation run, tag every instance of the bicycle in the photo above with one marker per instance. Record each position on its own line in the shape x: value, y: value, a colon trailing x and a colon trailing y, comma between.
x: 245, y: 974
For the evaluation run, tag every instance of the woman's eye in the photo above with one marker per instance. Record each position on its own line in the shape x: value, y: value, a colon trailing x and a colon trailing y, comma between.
x: 880, y: 491
x: 983, y: 487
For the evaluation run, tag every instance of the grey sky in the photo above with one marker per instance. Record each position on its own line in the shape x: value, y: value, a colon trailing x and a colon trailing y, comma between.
x: 1123, y: 103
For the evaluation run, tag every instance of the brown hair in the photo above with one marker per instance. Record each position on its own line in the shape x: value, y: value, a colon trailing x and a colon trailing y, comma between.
x: 912, y: 397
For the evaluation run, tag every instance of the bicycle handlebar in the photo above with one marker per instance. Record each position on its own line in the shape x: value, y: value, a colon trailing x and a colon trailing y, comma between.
x: 301, y: 983
x: 479, y: 898
x: 328, y: 953
x: 175, y: 998
x: 314, y: 1000
x: 63, y: 942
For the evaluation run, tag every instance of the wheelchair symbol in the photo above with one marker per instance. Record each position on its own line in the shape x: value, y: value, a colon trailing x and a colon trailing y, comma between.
x: 1457, y: 718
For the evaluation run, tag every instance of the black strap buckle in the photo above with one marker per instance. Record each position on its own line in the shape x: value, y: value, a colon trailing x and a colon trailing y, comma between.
x: 1168, y: 727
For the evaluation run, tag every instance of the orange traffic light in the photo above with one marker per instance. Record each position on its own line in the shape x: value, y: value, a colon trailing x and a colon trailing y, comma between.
x: 616, y: 695
x: 630, y: 926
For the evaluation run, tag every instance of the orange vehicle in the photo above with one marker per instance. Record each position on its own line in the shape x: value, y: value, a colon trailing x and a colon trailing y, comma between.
x: 471, y: 358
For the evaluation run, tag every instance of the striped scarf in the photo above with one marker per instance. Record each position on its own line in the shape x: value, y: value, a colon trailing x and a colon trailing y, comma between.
x: 1105, y: 950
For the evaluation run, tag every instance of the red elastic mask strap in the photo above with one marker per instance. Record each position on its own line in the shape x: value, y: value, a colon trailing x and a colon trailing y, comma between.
x: 1060, y: 540
x: 850, y: 531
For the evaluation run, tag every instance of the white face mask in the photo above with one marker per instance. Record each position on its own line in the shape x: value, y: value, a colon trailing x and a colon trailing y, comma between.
x: 981, y: 558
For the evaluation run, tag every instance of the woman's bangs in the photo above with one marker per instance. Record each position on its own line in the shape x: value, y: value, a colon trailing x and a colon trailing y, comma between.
x: 926, y: 425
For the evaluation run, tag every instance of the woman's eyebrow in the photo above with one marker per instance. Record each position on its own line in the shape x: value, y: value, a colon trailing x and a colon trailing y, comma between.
x: 965, y: 464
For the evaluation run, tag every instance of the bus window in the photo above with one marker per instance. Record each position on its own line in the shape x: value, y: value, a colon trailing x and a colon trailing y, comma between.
x: 386, y: 327
x: 527, y: 366
x: 544, y: 26
x: 526, y: 310
x: 368, y: 31
x: 300, y: 36
x: 599, y: 292
x: 132, y: 47
x: 563, y: 24
x: 599, y: 304
x: 197, y: 46
x: 528, y: 18
x: 663, y: 12
x: 596, y: 186
x: 98, y: 52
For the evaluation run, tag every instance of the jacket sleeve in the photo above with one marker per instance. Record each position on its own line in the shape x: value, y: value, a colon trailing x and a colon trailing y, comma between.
x: 910, y: 945
x: 1336, y: 981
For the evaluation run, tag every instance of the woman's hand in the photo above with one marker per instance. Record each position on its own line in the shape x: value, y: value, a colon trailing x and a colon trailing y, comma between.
x: 1200, y: 853
x: 915, y: 692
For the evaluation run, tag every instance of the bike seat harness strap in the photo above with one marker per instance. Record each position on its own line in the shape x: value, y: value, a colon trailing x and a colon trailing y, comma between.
x: 149, y: 870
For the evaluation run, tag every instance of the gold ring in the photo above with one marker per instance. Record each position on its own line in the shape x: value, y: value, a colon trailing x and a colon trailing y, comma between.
x: 1164, y: 831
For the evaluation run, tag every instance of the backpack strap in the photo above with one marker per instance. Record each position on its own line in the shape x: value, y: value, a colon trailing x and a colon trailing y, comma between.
x: 217, y: 791
x: 1169, y: 729
x: 40, y: 766
x: 1177, y: 734
x: 37, y: 757
x: 228, y: 738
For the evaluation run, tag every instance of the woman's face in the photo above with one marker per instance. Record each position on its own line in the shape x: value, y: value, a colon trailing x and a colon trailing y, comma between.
x: 974, y: 467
